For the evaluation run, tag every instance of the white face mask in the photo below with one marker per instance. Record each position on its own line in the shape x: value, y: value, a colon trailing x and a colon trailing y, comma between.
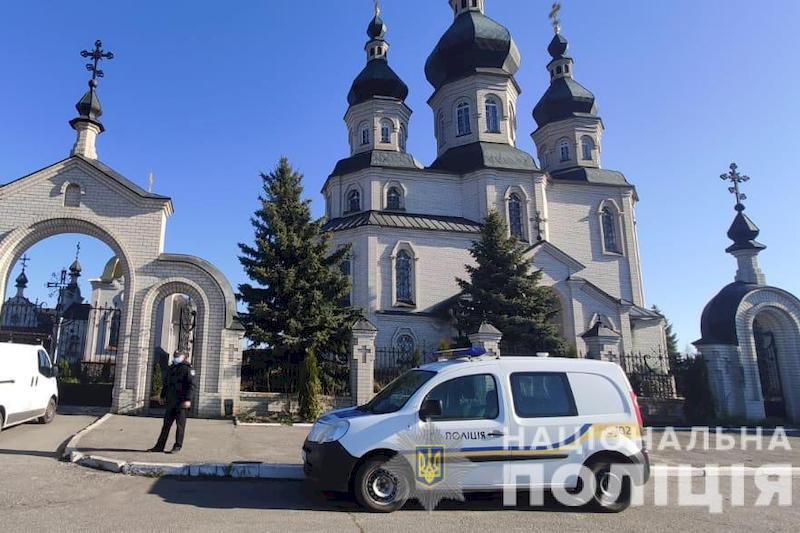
x: 178, y: 359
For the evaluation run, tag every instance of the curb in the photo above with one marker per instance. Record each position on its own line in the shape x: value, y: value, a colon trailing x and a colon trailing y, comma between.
x: 69, y: 450
x: 237, y: 422
x: 274, y: 471
x: 725, y: 471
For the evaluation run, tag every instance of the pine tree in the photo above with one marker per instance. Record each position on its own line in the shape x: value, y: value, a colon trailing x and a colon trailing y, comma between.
x: 295, y: 302
x: 504, y: 292
x: 672, y: 338
x: 310, y: 389
x: 158, y: 381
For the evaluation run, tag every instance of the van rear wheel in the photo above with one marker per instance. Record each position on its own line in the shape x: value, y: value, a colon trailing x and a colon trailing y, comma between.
x: 50, y: 412
x: 612, y: 492
x: 379, y: 488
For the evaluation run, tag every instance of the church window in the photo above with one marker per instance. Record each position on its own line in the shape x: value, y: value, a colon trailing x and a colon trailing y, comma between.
x: 566, y: 69
x: 364, y: 134
x: 492, y: 118
x: 558, y: 69
x: 463, y: 4
x: 353, y: 201
x: 515, y: 216
x: 72, y: 195
x: 563, y: 149
x: 405, y: 344
x: 386, y: 132
x: 442, y: 129
x: 403, y: 137
x: 393, y: 199
x: 609, y: 222
x: 346, y: 268
x: 462, y: 119
x: 403, y: 272
x: 587, y: 146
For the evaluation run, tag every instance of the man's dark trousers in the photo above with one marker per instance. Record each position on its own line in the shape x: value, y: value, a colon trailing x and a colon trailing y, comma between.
x: 174, y: 413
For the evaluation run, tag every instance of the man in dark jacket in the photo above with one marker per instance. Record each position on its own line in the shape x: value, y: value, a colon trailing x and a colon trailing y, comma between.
x: 177, y: 394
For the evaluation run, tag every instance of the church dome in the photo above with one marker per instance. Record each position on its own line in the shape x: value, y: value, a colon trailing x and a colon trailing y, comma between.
x: 377, y: 79
x: 473, y: 42
x: 718, y: 321
x: 565, y: 97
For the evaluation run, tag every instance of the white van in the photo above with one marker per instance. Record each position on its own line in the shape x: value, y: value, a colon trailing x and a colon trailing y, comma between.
x: 551, y: 416
x: 28, y: 388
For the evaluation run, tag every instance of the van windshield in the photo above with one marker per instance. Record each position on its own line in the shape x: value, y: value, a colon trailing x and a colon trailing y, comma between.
x: 395, y: 395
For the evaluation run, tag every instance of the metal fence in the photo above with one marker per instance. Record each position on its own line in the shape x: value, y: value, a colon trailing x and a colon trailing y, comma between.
x: 390, y: 362
x: 651, y: 376
x: 264, y: 372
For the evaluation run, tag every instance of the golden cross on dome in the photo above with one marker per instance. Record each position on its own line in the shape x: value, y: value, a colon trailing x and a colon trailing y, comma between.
x: 554, y: 17
x: 24, y: 260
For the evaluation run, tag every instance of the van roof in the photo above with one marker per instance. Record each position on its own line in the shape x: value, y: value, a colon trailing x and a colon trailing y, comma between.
x: 527, y: 363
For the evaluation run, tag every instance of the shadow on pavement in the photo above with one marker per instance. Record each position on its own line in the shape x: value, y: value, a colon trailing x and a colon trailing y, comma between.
x: 32, y: 453
x: 299, y: 495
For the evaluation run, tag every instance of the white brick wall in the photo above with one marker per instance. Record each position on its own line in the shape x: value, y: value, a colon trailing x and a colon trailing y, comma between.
x: 133, y: 226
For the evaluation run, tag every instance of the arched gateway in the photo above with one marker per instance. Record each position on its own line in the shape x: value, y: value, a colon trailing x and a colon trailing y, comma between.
x: 82, y: 195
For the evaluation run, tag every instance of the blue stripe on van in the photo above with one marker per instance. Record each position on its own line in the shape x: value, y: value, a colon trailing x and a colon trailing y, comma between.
x: 569, y: 440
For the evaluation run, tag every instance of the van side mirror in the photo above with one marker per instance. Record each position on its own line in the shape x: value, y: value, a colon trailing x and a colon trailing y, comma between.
x: 430, y: 409
x: 54, y: 371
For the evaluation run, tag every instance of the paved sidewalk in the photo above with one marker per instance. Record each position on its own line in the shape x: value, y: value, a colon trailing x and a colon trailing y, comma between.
x: 126, y: 438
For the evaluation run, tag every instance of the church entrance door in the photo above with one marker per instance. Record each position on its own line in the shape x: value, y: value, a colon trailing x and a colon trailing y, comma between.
x: 769, y: 371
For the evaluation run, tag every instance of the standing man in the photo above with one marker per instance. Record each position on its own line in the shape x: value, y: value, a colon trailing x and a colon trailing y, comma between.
x: 177, y: 393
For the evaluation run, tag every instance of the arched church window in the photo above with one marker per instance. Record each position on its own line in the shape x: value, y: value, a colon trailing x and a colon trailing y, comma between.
x: 442, y: 129
x: 587, y: 147
x: 405, y: 344
x: 403, y: 137
x: 563, y: 149
x: 544, y: 157
x: 393, y: 198
x: 610, y: 239
x: 346, y: 268
x: 462, y: 119
x: 515, y: 216
x: 404, y: 286
x: 364, y: 134
x: 386, y: 132
x: 353, y: 201
x: 492, y: 116
x: 72, y: 195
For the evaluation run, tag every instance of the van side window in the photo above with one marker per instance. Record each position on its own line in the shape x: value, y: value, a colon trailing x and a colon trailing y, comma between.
x: 467, y: 398
x: 542, y: 394
x: 44, y: 363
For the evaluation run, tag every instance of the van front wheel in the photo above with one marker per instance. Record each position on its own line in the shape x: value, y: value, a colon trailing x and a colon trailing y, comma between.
x: 379, y: 488
x: 50, y: 412
x: 612, y: 489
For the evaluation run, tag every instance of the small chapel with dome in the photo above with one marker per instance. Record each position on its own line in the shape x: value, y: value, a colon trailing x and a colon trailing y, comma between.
x: 411, y: 224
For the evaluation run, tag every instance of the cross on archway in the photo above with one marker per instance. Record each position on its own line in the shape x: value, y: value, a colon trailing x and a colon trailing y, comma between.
x: 96, y: 55
x: 734, y: 177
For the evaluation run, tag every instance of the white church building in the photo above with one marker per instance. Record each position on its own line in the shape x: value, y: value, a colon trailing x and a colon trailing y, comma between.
x: 411, y: 226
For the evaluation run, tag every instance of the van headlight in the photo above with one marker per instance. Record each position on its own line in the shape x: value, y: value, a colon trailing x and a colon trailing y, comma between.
x: 324, y: 431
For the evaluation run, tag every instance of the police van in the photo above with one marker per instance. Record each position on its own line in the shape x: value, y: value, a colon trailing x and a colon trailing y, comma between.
x: 552, y: 418
x: 28, y: 388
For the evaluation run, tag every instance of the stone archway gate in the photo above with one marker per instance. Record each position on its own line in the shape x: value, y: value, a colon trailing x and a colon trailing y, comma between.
x: 82, y: 195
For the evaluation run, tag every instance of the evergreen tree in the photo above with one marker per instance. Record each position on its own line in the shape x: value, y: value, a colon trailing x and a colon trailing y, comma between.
x: 672, y: 338
x: 505, y: 293
x: 310, y: 389
x: 158, y: 381
x: 295, y: 303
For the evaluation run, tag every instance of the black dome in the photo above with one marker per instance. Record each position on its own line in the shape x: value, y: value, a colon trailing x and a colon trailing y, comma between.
x: 377, y: 79
x: 563, y: 99
x: 472, y: 42
x: 376, y: 28
x: 743, y: 232
x: 718, y: 321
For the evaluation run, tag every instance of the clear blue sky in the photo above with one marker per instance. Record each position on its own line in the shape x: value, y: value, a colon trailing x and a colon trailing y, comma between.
x: 208, y: 94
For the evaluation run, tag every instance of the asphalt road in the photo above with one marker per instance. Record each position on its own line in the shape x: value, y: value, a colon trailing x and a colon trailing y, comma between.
x: 38, y: 493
